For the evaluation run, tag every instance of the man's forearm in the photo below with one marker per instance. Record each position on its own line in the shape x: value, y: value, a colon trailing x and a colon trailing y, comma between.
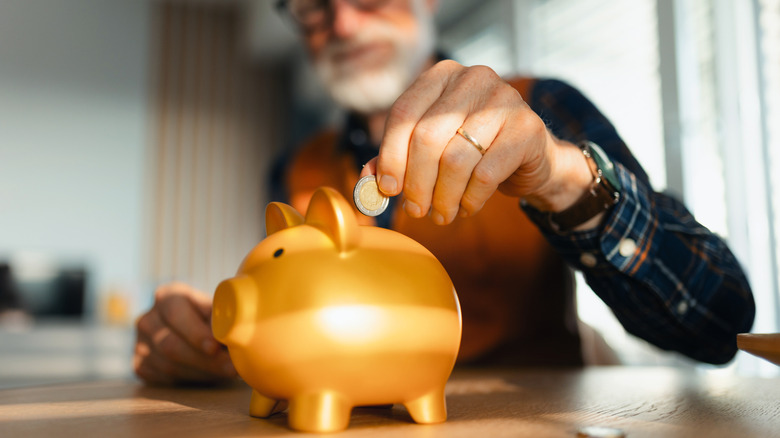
x: 668, y: 279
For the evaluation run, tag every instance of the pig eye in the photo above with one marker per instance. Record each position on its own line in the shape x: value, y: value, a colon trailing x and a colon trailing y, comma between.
x: 278, y: 252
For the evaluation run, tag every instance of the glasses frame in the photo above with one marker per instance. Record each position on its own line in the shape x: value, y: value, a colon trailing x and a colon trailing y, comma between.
x: 283, y: 9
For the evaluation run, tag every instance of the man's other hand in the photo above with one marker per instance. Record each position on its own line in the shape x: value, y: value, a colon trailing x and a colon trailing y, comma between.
x: 174, y: 344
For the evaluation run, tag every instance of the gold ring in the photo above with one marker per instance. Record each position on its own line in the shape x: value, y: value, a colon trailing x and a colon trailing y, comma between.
x: 471, y: 140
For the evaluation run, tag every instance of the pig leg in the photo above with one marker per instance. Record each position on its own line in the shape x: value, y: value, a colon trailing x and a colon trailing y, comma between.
x: 430, y: 408
x: 325, y: 411
x: 262, y: 406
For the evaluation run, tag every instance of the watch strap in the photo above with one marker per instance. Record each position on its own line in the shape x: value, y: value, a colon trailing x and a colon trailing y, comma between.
x: 599, y: 197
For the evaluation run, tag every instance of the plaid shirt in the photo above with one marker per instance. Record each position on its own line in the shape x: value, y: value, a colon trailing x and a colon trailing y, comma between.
x: 667, y: 278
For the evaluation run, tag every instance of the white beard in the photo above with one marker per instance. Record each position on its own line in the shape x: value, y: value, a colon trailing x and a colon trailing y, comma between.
x: 370, y: 90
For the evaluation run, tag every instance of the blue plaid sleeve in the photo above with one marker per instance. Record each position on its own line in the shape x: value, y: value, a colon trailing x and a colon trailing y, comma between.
x: 668, y: 279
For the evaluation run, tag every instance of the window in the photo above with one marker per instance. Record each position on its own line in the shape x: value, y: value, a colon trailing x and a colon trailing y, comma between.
x: 769, y: 31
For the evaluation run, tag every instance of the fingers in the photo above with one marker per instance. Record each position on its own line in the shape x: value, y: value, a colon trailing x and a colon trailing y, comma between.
x: 185, y: 312
x: 174, y: 342
x: 456, y: 167
x: 202, y: 303
x: 425, y: 130
x: 157, y: 369
x: 169, y: 345
x: 515, y: 149
x: 404, y: 116
x: 426, y: 150
x: 445, y: 173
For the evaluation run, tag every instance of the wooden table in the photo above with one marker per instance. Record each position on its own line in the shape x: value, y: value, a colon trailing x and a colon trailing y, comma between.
x: 643, y: 402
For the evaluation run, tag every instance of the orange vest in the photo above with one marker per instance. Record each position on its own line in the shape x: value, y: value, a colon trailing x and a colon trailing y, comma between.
x: 516, y: 294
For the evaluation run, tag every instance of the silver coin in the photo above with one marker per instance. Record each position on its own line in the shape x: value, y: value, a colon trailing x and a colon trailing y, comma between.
x: 368, y: 199
x: 600, y: 432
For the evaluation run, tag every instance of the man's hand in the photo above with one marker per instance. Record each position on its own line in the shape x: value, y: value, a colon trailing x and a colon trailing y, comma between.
x: 175, y: 344
x: 442, y: 172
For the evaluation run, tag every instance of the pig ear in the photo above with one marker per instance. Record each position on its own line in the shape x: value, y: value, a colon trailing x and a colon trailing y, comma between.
x: 279, y: 216
x: 331, y: 213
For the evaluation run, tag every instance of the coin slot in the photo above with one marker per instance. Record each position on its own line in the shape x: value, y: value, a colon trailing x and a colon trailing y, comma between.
x: 278, y: 252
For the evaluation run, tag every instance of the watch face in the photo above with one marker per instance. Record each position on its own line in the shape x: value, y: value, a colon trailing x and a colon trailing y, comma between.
x: 605, y: 164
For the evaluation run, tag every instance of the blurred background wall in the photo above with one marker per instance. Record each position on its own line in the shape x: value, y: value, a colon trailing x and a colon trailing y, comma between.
x: 136, y: 141
x: 74, y: 87
x: 73, y: 101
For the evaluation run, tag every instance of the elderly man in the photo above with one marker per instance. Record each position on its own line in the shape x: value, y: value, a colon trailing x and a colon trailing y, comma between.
x: 503, y: 181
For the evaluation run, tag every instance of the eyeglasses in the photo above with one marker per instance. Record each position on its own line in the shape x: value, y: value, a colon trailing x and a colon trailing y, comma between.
x: 313, y: 15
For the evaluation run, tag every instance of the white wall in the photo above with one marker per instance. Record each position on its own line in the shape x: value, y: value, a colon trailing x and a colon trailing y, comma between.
x: 73, y: 81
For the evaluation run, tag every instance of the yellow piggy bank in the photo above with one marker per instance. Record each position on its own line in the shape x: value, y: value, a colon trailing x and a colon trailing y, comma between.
x: 326, y: 315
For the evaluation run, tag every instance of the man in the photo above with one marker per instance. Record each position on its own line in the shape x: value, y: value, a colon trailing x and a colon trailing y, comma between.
x: 500, y: 196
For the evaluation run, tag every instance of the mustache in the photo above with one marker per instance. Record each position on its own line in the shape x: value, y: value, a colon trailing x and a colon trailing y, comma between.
x: 341, y: 47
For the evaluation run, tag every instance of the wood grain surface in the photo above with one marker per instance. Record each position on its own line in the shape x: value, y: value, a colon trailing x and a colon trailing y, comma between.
x: 643, y: 402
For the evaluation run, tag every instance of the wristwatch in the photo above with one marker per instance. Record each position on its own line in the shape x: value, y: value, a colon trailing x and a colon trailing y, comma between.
x: 603, y: 193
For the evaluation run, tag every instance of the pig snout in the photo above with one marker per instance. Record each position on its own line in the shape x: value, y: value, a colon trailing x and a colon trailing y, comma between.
x: 233, y: 315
